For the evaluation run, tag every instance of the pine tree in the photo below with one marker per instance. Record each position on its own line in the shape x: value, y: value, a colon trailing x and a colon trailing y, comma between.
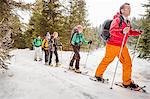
x: 145, y: 41
x: 47, y: 17
x: 136, y: 25
x: 77, y: 15
x: 52, y: 15
x: 9, y: 26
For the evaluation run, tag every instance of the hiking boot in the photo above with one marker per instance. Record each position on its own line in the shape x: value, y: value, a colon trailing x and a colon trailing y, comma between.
x: 58, y: 64
x: 40, y: 59
x: 51, y: 65
x: 77, y: 71
x: 131, y: 85
x: 99, y: 78
x: 46, y: 63
x: 71, y: 68
x: 5, y: 67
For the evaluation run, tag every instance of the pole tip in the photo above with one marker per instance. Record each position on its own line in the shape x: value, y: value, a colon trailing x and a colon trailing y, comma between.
x: 111, y: 88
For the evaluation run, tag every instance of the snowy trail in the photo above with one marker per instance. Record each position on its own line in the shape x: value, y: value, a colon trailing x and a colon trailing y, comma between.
x: 33, y: 80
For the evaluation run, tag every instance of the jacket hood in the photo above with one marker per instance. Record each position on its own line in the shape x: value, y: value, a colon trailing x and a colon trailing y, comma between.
x: 117, y: 15
x: 48, y: 35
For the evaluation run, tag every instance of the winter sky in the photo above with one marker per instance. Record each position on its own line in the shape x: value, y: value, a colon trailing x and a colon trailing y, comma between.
x: 100, y: 10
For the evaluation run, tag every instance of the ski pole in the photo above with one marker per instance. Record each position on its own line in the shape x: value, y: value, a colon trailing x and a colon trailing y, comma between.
x: 41, y: 55
x: 61, y: 52
x: 71, y: 55
x: 87, y: 56
x: 136, y: 47
x: 118, y: 60
x: 70, y: 58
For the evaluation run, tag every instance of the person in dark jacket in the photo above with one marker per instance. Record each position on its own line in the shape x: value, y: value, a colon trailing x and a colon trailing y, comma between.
x: 53, y: 47
x: 45, y: 47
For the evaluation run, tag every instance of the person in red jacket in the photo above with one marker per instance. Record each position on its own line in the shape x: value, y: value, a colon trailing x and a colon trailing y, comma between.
x: 114, y: 44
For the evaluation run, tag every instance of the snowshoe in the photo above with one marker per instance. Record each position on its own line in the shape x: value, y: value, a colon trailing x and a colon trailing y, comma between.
x: 51, y: 65
x: 132, y: 86
x: 99, y: 79
x: 46, y: 63
x: 71, y: 68
x: 57, y: 65
x: 77, y: 71
x: 40, y: 59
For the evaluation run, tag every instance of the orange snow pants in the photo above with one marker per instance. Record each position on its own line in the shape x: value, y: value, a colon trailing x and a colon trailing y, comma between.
x: 111, y: 52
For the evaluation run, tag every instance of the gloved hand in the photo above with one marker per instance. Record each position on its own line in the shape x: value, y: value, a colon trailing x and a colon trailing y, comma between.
x: 90, y: 42
x: 42, y: 49
x: 75, y: 43
x: 80, y: 43
x: 54, y: 44
x: 141, y: 31
x: 126, y: 30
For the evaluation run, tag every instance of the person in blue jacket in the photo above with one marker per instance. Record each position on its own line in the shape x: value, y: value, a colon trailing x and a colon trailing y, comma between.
x: 37, y: 42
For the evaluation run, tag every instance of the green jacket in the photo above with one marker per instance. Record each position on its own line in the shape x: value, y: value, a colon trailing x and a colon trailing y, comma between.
x: 78, y: 38
x: 37, y: 42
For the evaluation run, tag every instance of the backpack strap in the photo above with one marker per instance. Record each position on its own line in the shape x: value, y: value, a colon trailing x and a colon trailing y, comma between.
x: 72, y: 37
x: 121, y: 20
x: 74, y: 32
x: 36, y: 40
x: 45, y: 43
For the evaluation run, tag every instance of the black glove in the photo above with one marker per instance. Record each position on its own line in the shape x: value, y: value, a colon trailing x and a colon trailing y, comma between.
x: 90, y: 42
x: 42, y: 49
x: 75, y: 43
x: 54, y: 44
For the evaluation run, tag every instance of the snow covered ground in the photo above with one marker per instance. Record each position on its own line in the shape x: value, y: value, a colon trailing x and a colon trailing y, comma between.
x: 34, y: 80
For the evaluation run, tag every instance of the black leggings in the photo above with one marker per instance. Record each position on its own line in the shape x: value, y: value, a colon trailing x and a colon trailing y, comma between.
x: 46, y: 55
x: 51, y: 54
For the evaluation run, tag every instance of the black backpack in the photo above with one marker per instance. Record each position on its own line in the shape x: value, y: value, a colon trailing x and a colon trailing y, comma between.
x: 105, y: 33
x: 74, y: 31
